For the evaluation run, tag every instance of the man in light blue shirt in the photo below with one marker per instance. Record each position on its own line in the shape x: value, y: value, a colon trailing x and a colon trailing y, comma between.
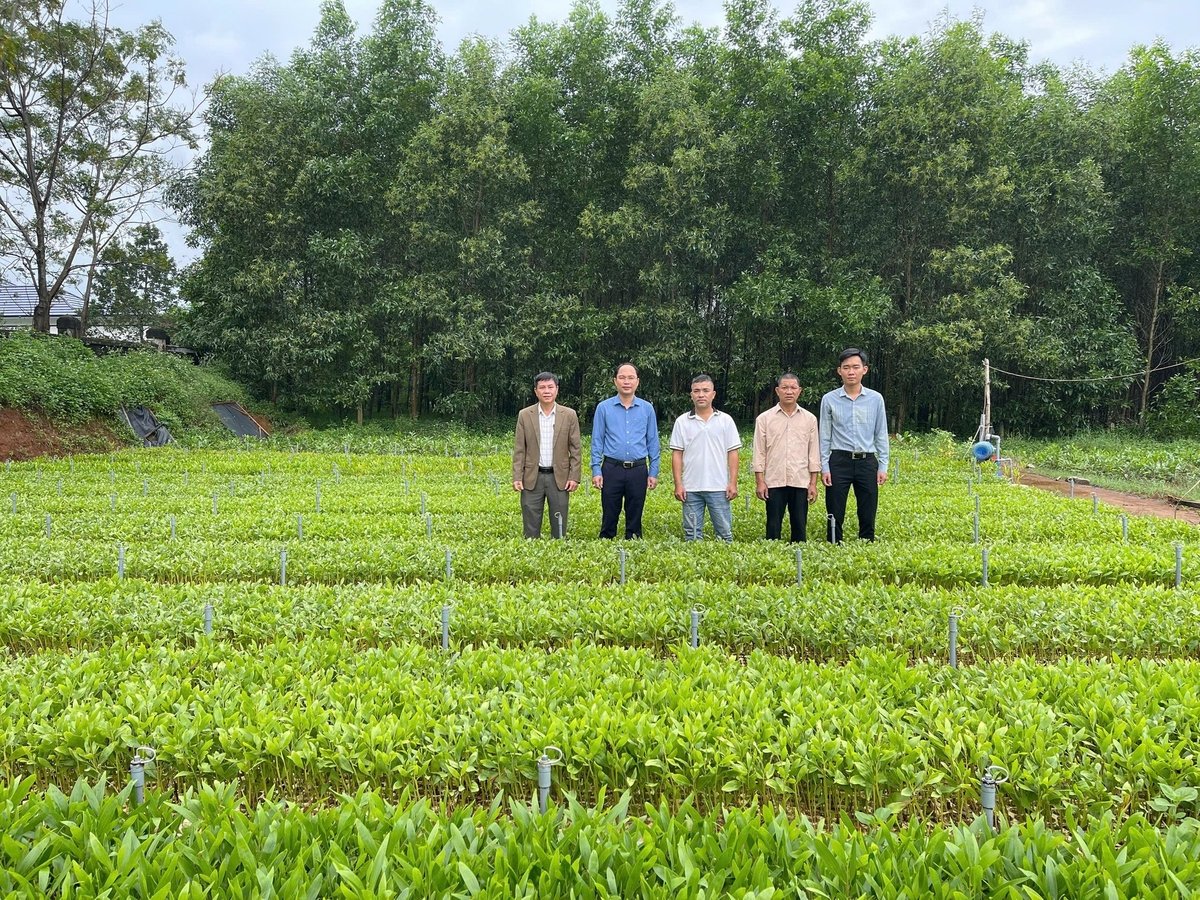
x: 854, y: 446
x: 625, y: 454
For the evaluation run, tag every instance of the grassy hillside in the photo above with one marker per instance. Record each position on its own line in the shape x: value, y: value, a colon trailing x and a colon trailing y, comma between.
x: 63, y: 379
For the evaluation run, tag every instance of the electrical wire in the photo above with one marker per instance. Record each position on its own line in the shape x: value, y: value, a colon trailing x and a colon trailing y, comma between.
x: 1137, y: 374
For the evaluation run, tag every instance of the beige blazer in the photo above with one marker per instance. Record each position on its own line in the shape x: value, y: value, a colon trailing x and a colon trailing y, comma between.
x: 568, y: 453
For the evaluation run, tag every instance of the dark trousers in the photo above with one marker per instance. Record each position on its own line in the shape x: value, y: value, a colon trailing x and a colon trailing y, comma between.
x: 862, y: 475
x: 626, y: 486
x: 795, y: 501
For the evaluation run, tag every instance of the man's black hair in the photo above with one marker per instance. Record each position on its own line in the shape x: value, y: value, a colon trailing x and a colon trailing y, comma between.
x: 544, y: 376
x: 786, y: 375
x: 620, y: 366
x: 852, y: 351
x: 703, y: 377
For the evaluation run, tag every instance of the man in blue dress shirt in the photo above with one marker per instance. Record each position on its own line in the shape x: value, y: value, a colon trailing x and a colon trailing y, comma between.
x: 854, y: 446
x: 625, y: 454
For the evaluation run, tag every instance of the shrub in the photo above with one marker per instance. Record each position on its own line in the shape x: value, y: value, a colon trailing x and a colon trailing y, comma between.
x: 1176, y: 411
x: 62, y: 378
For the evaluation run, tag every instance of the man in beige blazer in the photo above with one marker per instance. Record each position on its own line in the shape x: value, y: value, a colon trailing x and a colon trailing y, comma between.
x: 546, y: 458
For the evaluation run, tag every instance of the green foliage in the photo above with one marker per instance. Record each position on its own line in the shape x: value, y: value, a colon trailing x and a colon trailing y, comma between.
x: 135, y: 284
x: 59, y: 376
x: 89, y: 838
x: 293, y: 742
x: 91, y: 124
x: 68, y: 382
x: 1176, y: 410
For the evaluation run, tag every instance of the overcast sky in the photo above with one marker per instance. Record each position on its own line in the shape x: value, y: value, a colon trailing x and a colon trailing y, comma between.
x: 226, y: 36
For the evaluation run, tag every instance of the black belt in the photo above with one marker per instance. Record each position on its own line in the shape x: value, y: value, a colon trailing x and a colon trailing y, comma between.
x: 855, y: 454
x: 626, y: 463
x: 546, y: 470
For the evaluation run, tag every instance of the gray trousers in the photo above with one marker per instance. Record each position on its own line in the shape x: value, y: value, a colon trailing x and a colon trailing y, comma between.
x: 544, y: 492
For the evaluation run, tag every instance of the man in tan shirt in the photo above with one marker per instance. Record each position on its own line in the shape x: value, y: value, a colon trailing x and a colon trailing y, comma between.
x: 546, y: 458
x: 787, y: 459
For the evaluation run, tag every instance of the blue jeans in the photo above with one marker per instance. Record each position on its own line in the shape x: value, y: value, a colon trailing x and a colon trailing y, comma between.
x: 718, y: 510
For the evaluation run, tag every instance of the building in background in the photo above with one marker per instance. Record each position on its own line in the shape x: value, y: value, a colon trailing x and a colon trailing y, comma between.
x: 18, y: 300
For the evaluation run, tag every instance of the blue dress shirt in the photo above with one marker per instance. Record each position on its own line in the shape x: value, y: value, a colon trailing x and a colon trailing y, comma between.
x: 625, y: 433
x: 858, y: 425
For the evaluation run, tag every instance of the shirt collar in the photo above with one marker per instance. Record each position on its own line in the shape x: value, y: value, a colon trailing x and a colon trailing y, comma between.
x: 692, y: 414
x: 553, y: 410
x: 637, y: 401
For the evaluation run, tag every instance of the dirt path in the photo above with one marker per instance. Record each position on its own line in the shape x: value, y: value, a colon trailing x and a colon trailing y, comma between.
x: 1131, y: 503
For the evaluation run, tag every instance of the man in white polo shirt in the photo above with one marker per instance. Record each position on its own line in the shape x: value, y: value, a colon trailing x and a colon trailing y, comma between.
x: 704, y: 463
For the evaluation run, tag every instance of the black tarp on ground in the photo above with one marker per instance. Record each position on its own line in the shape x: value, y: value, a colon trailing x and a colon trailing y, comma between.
x: 152, y: 432
x: 237, y: 420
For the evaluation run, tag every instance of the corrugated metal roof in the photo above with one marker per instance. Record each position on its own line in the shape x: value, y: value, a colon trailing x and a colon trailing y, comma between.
x: 18, y: 301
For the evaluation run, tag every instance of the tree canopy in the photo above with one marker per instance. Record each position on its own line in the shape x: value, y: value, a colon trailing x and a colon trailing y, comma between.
x: 89, y: 118
x: 394, y: 228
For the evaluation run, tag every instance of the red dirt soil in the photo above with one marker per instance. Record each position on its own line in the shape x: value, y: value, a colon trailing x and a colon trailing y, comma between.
x: 26, y: 435
x: 1131, y: 503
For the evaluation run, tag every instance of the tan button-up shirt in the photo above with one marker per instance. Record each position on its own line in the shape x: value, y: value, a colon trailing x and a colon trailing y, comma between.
x: 786, y: 448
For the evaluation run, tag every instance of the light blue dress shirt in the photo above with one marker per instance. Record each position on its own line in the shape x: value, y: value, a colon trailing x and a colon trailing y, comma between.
x: 625, y: 433
x: 858, y: 425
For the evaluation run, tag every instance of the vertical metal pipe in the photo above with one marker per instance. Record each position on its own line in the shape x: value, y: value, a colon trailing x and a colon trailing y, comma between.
x: 799, y: 566
x: 544, y: 778
x: 283, y: 567
x: 975, y: 527
x: 985, y: 567
x: 544, y: 764
x: 621, y: 559
x: 214, y: 503
x: 561, y: 530
x: 428, y: 525
x: 145, y: 487
x: 49, y: 526
x: 993, y: 777
x: 137, y: 772
x: 449, y: 566
x: 446, y: 626
x: 1071, y: 482
x: 1124, y: 528
x: 208, y: 618
x: 300, y: 526
x: 171, y: 522
x: 954, y: 640
x: 423, y: 499
x: 120, y: 560
x: 1179, y: 565
x: 13, y: 499
x: 695, y: 628
x: 833, y: 535
x: 1095, y: 503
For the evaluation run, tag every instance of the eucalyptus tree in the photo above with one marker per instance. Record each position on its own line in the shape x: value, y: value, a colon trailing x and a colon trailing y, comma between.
x: 932, y: 177
x: 289, y: 205
x: 463, y: 208
x: 90, y: 115
x: 1150, y: 110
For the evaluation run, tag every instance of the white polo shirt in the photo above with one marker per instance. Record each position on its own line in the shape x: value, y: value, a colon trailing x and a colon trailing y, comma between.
x: 705, y: 447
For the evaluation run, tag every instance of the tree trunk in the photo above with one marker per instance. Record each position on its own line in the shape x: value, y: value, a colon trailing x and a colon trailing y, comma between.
x: 1151, y: 334
x: 414, y: 389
